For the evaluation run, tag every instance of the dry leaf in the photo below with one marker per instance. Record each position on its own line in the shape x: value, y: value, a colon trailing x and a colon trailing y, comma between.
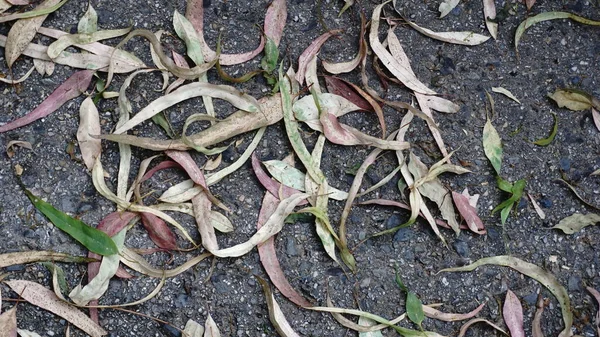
x: 22, y: 32
x: 513, y: 315
x: 465, y: 327
x: 450, y: 317
x: 537, y: 208
x: 596, y: 295
x: 463, y: 38
x: 39, y: 296
x: 158, y: 231
x: 468, y: 213
x: 345, y: 67
x: 11, y: 259
x: 505, y: 92
x: 282, y: 326
x: 89, y: 124
x: 446, y: 6
x: 19, y: 80
x: 193, y: 329
x: 574, y: 223
x: 8, y: 323
x: 43, y: 67
x: 210, y: 327
x: 536, y: 324
x: 489, y: 14
x: 13, y: 144
x: 311, y: 52
x: 136, y: 262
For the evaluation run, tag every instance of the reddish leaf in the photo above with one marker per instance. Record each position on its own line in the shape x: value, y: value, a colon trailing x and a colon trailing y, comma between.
x: 275, y: 20
x: 268, y: 255
x: 339, y: 87
x: 311, y: 52
x: 468, y: 212
x: 513, y: 315
x: 536, y: 324
x: 159, y: 231
x: 115, y: 222
x: 184, y: 159
x: 71, y: 88
x: 161, y: 166
x: 8, y: 323
x: 273, y: 186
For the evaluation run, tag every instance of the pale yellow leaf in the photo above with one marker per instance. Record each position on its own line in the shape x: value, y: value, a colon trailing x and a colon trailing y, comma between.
x: 89, y: 124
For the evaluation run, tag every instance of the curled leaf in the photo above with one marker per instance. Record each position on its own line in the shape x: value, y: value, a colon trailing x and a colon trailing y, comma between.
x: 532, y: 20
x: 546, y: 141
x: 282, y: 326
x: 463, y: 38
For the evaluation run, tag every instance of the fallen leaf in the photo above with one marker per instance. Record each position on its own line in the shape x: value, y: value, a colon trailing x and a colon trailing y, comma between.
x: 450, y: 317
x: 268, y: 255
x: 13, y: 144
x: 240, y: 100
x: 339, y: 87
x: 71, y: 88
x: 468, y: 213
x: 11, y: 259
x: 23, y: 31
x: 537, y: 208
x: 489, y: 14
x: 32, y: 14
x: 363, y: 321
x: 596, y: 295
x: 282, y: 326
x: 506, y: 93
x: 546, y: 141
x: 572, y: 99
x: 89, y: 124
x: 193, y: 329
x: 529, y: 4
x: 463, y: 38
x: 88, y: 23
x: 44, y: 67
x: 532, y: 20
x: 39, y: 296
x: 596, y: 118
x: 402, y: 73
x: 348, y: 66
x: 513, y: 315
x: 158, y: 231
x: 8, y: 323
x: 446, y: 6
x: 210, y: 327
x: 531, y: 270
x: 27, y: 333
x: 574, y: 223
x: 286, y: 174
x: 66, y: 41
x: 19, y: 80
x: 93, y: 239
x: 492, y: 146
x: 465, y: 327
x: 311, y: 52
x: 536, y: 324
x: 136, y: 262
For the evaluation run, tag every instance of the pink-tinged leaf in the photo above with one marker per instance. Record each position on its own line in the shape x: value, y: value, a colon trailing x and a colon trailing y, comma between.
x: 513, y: 315
x: 275, y: 20
x: 39, y: 296
x: 339, y: 87
x: 450, y: 317
x: 124, y: 274
x: 158, y: 231
x: 310, y: 52
x: 186, y: 161
x: 115, y: 222
x: 596, y: 295
x: 8, y: 323
x: 374, y: 105
x: 342, y: 134
x: 536, y: 324
x: 71, y: 88
x: 596, y: 117
x: 22, y: 32
x: 268, y: 255
x: 195, y: 14
x: 89, y: 124
x: 161, y: 166
x: 273, y: 186
x: 468, y: 213
x: 529, y: 4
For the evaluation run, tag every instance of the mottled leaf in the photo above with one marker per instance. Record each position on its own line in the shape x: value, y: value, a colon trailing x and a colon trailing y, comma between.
x: 574, y: 223
x: 492, y: 146
x: 88, y: 23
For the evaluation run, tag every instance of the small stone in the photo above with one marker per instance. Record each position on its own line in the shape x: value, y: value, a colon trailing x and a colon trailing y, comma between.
x: 403, y: 235
x: 530, y: 299
x: 574, y: 283
x: 565, y: 164
x: 181, y: 301
x: 545, y: 202
x: 393, y: 221
x: 493, y: 233
x: 365, y: 282
x: 462, y: 248
x: 171, y: 331
x: 362, y: 235
x: 290, y: 247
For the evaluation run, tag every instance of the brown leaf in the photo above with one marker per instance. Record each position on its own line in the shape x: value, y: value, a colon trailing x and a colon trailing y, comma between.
x: 450, y: 317
x: 268, y: 255
x: 159, y: 232
x: 513, y: 315
x: 281, y: 324
x: 39, y: 296
x: 22, y: 32
x: 536, y: 324
x: 339, y: 87
x: 71, y: 88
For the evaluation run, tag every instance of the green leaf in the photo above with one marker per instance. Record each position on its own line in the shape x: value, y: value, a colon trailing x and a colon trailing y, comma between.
x: 399, y: 281
x: 506, y: 211
x: 161, y: 120
x: 269, y: 61
x: 94, y: 240
x: 299, y: 217
x: 89, y: 21
x: 517, y: 192
x: 492, y: 146
x: 546, y: 141
x: 504, y: 185
x: 62, y: 280
x: 414, y: 308
x: 532, y: 20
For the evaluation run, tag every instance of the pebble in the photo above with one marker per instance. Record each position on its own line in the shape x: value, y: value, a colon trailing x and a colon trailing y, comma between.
x: 393, y: 221
x: 574, y: 283
x: 565, y: 164
x: 365, y: 282
x: 462, y: 248
x: 362, y: 235
x: 531, y: 299
x: 403, y: 235
x: 545, y: 202
x: 290, y: 247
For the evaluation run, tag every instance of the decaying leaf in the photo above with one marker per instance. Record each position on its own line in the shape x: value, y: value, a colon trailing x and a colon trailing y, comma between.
x: 532, y: 20
x: 282, y: 326
x: 88, y: 23
x: 573, y: 99
x: 506, y: 93
x: 8, y: 323
x: 468, y: 213
x: 596, y: 295
x: 450, y: 317
x: 19, y: 80
x: 463, y: 38
x: 492, y: 146
x: 158, y: 231
x: 89, y: 124
x: 11, y: 259
x: 513, y: 315
x: 465, y: 327
x: 44, y: 67
x: 345, y: 67
x: 39, y: 296
x: 136, y: 262
x: 446, y: 6
x: 71, y: 88
x: 13, y: 144
x: 536, y: 324
x: 65, y: 41
x: 574, y: 223
x: 489, y: 14
x: 311, y: 52
x: 528, y: 269
x: 537, y: 208
x: 23, y: 31
x: 210, y: 327
x: 193, y: 329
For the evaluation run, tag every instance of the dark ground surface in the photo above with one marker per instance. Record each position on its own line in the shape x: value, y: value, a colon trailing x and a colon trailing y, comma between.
x: 553, y: 55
